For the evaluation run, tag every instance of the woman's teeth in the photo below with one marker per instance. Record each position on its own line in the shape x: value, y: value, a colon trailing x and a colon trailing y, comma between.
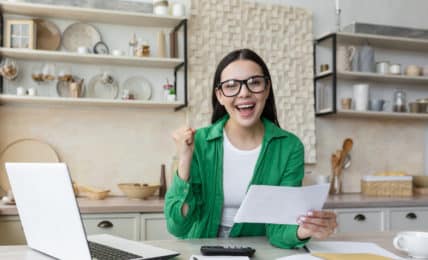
x: 245, y: 106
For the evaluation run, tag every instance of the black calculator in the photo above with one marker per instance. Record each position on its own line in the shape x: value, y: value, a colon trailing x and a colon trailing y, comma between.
x: 228, y: 250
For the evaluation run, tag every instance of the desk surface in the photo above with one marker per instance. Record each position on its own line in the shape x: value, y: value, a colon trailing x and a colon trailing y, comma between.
x: 188, y: 247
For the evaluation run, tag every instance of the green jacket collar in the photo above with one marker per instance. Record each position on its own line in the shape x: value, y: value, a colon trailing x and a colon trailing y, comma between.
x: 271, y: 130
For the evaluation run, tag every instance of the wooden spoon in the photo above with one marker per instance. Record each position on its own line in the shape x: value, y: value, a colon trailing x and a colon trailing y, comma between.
x: 346, y: 148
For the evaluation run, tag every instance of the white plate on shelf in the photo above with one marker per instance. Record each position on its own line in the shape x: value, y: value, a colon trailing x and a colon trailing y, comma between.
x: 139, y: 86
x: 99, y: 89
x: 80, y: 34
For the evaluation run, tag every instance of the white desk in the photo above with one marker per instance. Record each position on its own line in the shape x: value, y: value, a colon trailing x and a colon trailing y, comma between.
x: 188, y: 247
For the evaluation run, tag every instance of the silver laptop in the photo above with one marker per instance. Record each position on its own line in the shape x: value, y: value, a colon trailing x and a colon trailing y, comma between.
x: 51, y: 219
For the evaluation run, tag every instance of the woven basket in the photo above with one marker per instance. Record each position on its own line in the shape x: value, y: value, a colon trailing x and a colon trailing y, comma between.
x: 399, y: 188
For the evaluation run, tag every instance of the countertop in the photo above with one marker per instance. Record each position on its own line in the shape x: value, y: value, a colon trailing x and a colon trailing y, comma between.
x: 188, y: 247
x: 358, y: 200
x: 123, y: 205
x: 112, y: 204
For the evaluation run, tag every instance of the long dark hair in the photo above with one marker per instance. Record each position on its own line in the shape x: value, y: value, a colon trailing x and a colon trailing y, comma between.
x: 219, y: 111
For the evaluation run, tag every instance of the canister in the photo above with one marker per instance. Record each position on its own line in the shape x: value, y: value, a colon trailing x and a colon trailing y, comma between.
x: 382, y: 67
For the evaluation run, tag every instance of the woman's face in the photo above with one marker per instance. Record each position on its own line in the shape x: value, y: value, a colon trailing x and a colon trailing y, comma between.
x: 246, y: 107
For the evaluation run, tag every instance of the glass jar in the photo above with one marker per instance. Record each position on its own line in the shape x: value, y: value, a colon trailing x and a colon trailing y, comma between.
x: 48, y: 72
x: 9, y: 69
x: 64, y: 73
x: 399, y: 101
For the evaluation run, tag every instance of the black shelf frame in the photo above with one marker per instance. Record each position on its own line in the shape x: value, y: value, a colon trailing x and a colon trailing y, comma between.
x: 332, y: 74
x: 182, y: 65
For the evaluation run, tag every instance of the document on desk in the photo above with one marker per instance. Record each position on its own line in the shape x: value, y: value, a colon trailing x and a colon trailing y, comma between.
x: 280, y: 204
x: 343, y: 250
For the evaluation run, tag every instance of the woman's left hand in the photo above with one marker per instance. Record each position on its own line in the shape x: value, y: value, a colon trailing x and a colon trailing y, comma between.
x: 317, y: 224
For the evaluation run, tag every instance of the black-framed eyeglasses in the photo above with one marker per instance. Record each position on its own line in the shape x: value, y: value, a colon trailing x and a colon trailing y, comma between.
x: 232, y: 87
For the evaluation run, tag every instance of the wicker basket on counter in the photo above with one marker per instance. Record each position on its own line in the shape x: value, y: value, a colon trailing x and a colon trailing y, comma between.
x: 400, y: 186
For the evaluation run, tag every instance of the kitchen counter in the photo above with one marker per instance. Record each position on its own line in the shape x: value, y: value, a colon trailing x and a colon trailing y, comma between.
x: 118, y: 204
x: 113, y: 204
x: 358, y: 200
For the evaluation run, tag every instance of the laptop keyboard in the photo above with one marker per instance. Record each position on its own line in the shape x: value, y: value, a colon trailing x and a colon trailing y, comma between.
x: 103, y: 252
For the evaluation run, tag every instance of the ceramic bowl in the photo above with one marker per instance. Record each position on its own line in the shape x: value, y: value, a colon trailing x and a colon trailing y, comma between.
x: 138, y: 190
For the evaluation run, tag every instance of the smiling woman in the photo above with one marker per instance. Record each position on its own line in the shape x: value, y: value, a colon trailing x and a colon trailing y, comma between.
x: 243, y: 146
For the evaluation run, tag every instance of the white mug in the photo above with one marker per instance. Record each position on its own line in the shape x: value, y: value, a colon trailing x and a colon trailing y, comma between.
x: 414, y: 243
x: 361, y: 96
x: 178, y: 9
x: 20, y: 91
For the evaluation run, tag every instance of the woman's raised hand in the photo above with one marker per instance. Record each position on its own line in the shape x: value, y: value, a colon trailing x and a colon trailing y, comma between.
x: 184, y: 141
x: 317, y: 224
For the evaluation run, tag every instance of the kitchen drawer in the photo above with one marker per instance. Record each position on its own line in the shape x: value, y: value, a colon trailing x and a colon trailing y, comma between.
x: 153, y: 227
x: 123, y: 225
x: 11, y: 232
x: 360, y: 221
x: 408, y: 219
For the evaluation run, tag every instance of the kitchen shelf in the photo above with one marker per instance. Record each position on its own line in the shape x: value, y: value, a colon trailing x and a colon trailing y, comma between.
x: 385, y: 115
x: 13, y: 99
x: 374, y: 77
x: 91, y: 14
x: 381, y: 41
x: 58, y: 56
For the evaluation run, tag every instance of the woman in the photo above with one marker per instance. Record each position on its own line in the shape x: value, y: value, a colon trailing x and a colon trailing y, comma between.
x: 243, y: 146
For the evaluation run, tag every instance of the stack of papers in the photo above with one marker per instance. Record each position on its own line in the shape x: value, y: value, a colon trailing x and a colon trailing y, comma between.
x: 332, y: 250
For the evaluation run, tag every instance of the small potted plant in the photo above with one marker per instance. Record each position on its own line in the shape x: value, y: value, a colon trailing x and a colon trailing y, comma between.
x: 171, y: 95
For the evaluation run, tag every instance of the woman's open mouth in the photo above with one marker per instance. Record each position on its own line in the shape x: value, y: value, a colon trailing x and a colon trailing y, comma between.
x: 246, y: 110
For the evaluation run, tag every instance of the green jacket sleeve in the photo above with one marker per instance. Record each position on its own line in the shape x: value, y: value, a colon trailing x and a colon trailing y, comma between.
x: 178, y: 194
x: 285, y: 236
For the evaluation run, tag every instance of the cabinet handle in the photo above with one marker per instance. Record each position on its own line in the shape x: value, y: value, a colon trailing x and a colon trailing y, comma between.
x: 360, y: 217
x: 105, y: 224
x: 411, y: 215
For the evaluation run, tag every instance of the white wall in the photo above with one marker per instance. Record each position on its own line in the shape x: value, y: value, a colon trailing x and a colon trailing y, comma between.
x: 408, y: 13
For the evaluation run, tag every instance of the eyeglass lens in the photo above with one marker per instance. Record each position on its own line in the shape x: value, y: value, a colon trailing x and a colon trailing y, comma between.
x: 254, y: 84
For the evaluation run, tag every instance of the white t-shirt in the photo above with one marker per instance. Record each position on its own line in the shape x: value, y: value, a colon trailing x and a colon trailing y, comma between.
x: 238, y: 169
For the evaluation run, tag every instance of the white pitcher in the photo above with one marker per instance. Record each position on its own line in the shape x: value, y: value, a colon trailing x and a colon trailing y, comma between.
x: 344, y: 57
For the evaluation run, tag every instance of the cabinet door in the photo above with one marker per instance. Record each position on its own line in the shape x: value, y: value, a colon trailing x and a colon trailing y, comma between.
x: 408, y: 219
x: 153, y: 227
x: 123, y: 225
x: 11, y: 232
x: 360, y: 220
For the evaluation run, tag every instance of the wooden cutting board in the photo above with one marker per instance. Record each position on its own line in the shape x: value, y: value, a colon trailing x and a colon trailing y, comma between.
x: 25, y: 150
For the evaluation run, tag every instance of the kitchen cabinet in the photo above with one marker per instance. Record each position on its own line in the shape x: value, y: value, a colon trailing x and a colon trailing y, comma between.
x: 360, y: 220
x: 122, y: 225
x: 356, y: 220
x: 113, y: 19
x: 332, y: 85
x: 153, y: 227
x: 134, y: 226
x: 11, y: 232
x: 408, y: 219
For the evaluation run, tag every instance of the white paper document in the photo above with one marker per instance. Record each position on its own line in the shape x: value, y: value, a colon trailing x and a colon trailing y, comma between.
x: 280, y: 204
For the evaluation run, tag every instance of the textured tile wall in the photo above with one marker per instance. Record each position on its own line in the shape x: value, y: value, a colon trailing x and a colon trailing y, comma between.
x: 282, y: 35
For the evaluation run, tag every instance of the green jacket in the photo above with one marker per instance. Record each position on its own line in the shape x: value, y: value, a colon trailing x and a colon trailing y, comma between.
x: 281, y: 162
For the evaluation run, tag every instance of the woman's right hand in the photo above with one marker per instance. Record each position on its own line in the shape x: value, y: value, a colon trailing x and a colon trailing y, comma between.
x: 184, y: 138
